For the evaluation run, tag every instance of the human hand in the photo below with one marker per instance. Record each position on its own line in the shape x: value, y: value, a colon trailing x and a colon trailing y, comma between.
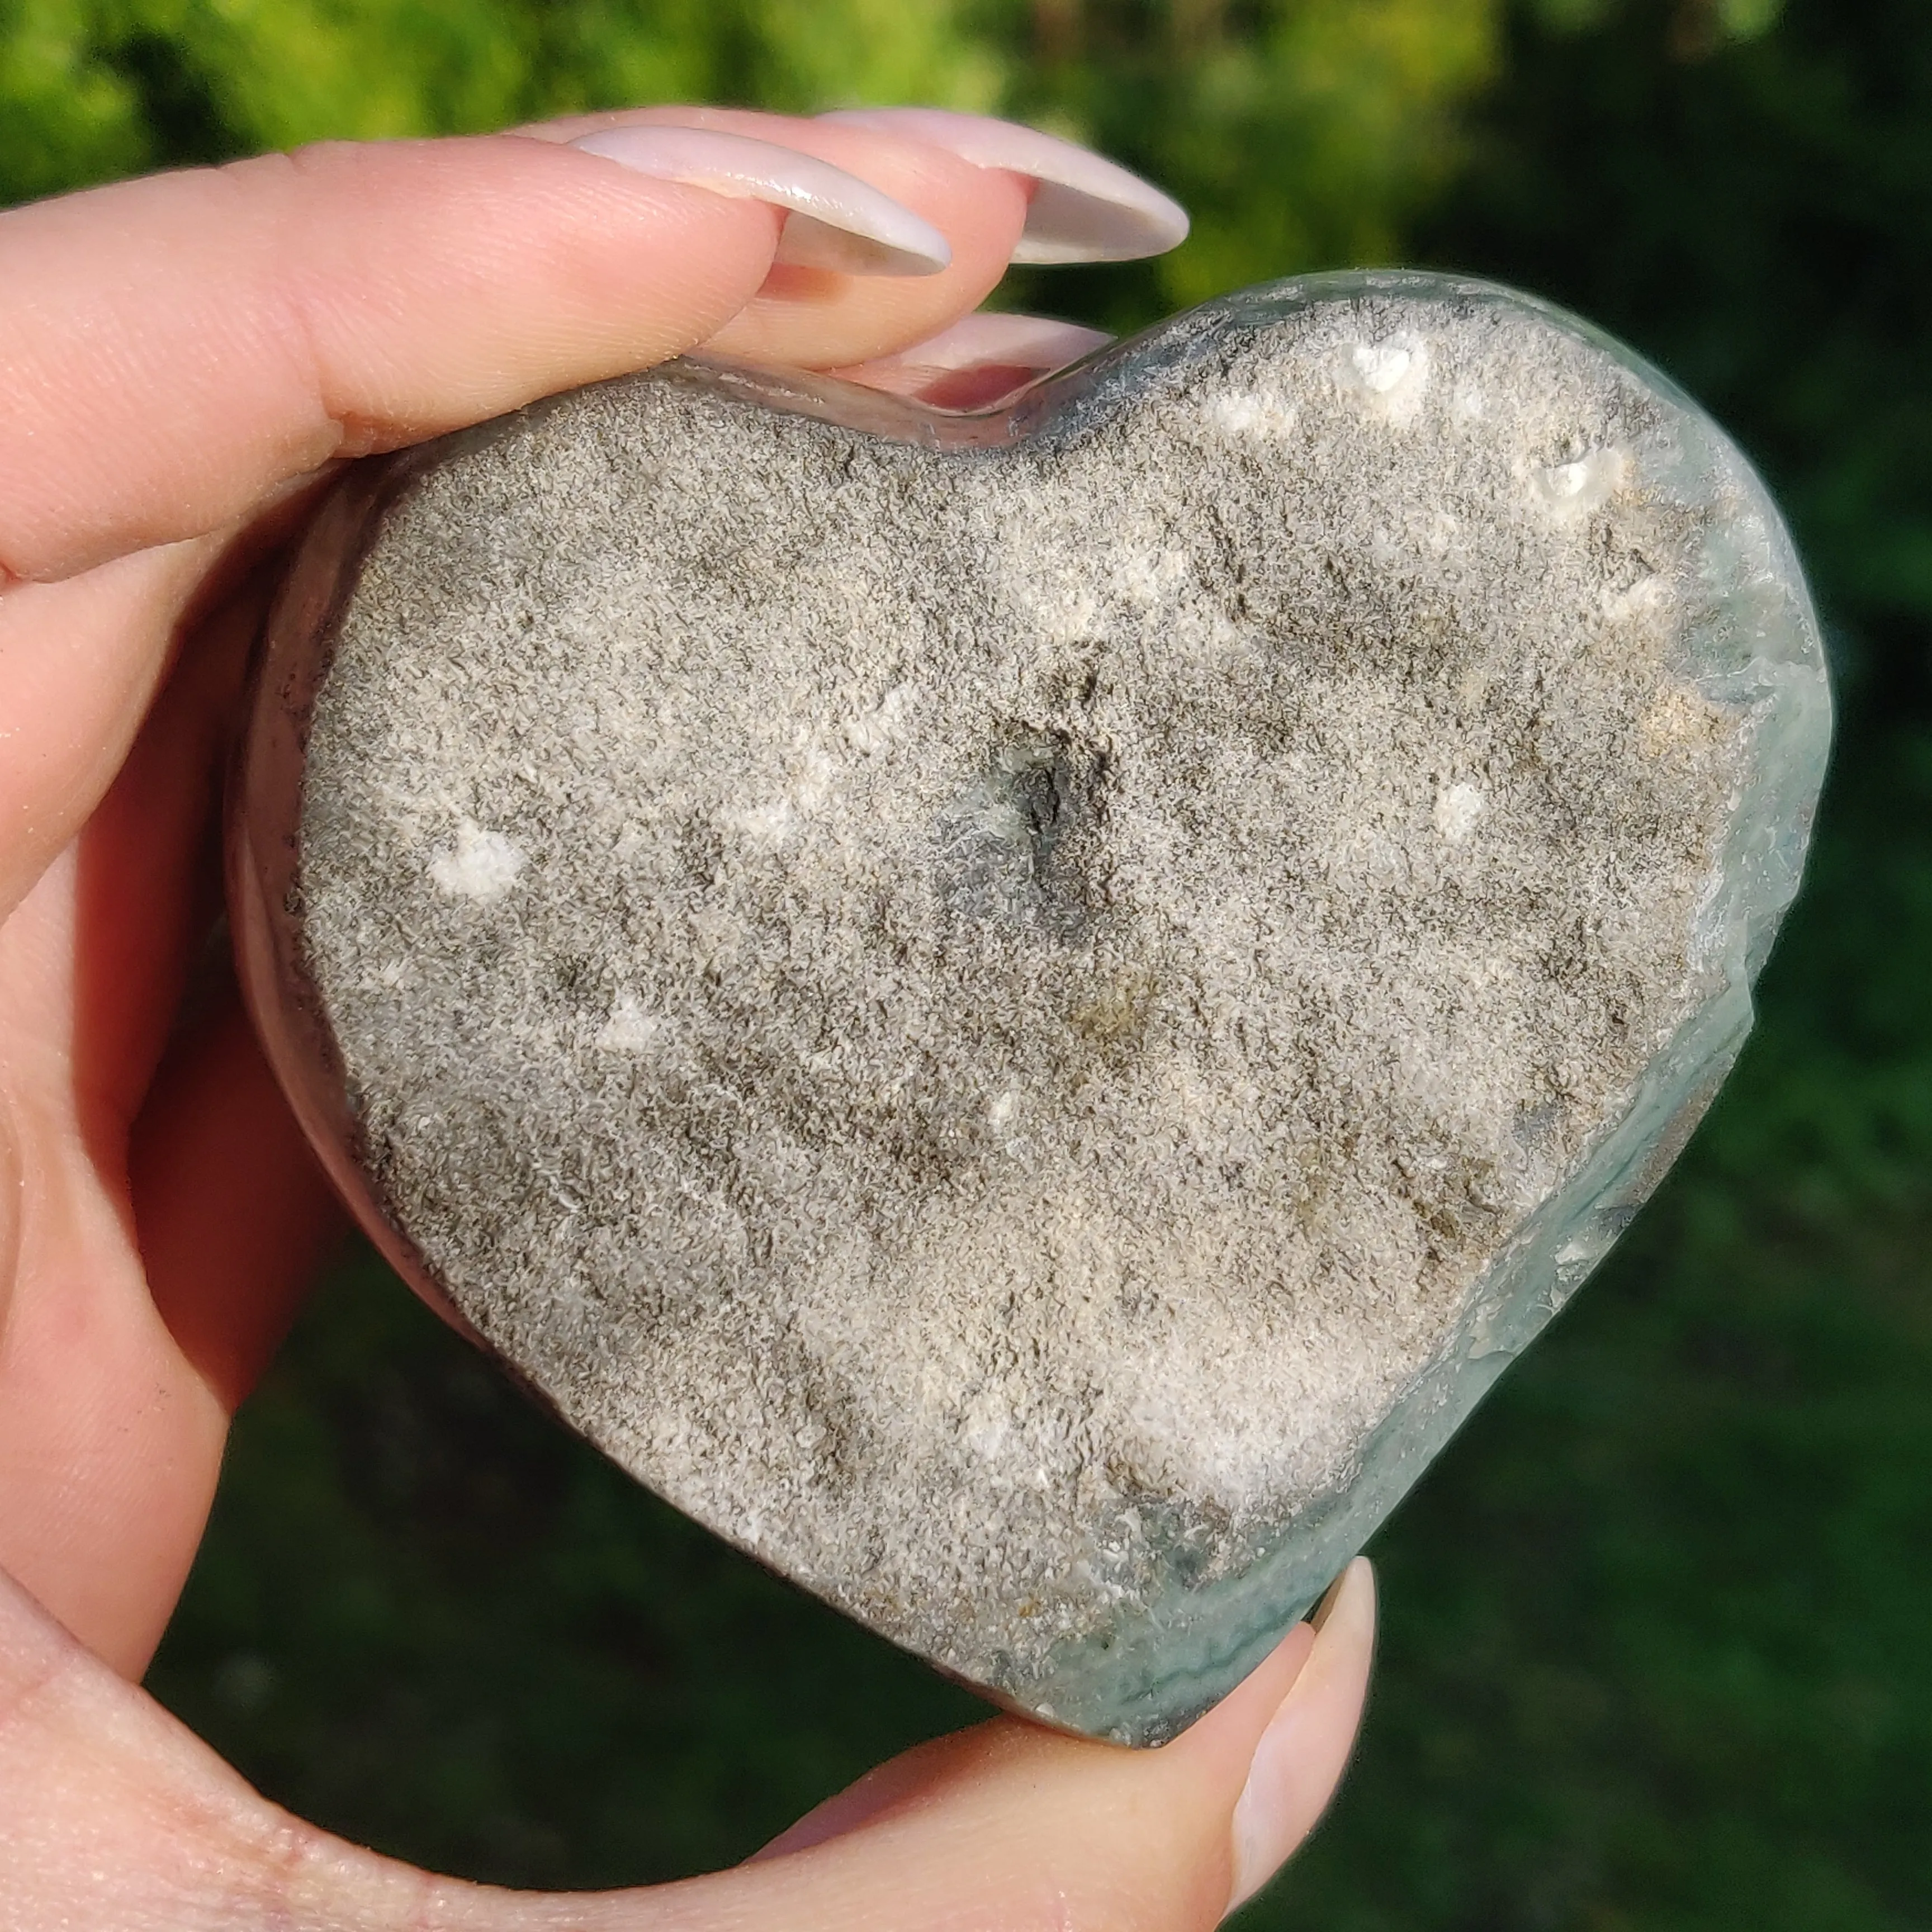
x: 184, y: 357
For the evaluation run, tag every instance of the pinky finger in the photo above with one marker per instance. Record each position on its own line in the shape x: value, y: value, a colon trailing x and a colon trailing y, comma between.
x: 981, y: 361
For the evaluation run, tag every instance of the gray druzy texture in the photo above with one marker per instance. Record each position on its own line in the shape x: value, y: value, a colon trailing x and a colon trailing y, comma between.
x: 1019, y: 1013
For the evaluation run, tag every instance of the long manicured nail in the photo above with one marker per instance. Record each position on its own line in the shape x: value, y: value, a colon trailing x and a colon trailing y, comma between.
x: 980, y: 362
x: 836, y: 220
x: 1036, y: 342
x: 1305, y: 1749
x: 1084, y: 208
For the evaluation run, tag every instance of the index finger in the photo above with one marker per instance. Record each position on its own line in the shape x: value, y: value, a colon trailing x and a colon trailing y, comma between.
x: 175, y: 349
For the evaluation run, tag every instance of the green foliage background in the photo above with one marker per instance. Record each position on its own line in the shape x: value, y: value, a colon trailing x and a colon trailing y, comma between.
x: 1300, y: 130
x: 1654, y: 1651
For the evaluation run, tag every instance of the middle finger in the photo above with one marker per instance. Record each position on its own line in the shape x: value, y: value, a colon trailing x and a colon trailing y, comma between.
x: 816, y: 318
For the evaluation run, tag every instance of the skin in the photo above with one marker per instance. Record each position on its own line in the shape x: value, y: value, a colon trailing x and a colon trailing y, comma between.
x: 184, y: 359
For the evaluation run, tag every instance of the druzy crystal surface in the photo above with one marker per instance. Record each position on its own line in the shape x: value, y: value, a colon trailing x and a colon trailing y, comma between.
x: 1021, y: 1013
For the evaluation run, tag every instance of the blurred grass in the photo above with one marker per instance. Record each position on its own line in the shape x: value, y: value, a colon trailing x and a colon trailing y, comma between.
x: 1653, y: 1650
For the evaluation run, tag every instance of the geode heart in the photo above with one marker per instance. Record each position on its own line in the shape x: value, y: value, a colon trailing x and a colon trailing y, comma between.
x: 1019, y: 1012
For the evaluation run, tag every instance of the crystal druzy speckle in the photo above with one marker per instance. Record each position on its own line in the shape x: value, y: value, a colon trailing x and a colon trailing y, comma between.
x: 1020, y: 1012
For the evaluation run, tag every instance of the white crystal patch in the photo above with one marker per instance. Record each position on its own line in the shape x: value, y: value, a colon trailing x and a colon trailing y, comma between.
x: 1583, y: 486
x: 1391, y: 376
x: 630, y: 1029
x: 1457, y: 808
x: 482, y: 865
x: 1252, y: 413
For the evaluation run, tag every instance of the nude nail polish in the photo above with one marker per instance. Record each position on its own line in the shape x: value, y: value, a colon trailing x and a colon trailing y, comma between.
x: 833, y: 220
x: 1305, y: 1749
x: 981, y: 361
x: 1085, y: 208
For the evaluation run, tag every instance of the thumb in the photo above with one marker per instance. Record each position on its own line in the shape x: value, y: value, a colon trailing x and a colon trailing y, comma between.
x: 111, y: 1813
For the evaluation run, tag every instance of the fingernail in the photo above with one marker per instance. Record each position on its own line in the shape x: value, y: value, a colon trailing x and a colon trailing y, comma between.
x: 1305, y: 1749
x: 1084, y: 208
x: 835, y: 220
x: 980, y: 362
x: 1035, y: 343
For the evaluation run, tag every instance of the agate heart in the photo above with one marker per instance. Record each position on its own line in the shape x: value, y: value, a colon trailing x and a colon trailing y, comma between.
x: 1019, y: 1012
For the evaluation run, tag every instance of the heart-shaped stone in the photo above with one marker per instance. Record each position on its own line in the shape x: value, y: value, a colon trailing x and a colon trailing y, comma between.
x: 1019, y: 1012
